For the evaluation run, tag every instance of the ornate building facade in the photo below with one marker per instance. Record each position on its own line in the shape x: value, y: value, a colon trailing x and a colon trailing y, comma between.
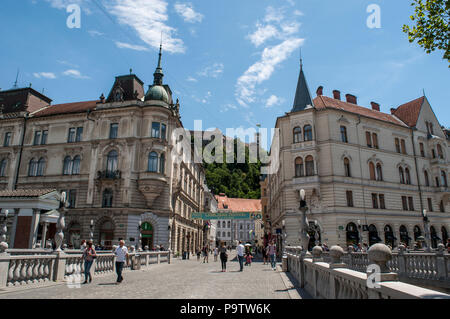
x: 113, y: 157
x: 368, y: 175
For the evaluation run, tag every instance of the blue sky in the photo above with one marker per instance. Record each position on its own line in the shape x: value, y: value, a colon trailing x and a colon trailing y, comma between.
x: 231, y: 63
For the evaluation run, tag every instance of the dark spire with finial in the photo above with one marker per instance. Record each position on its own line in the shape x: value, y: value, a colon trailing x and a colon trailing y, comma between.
x: 158, y: 75
x: 302, y: 95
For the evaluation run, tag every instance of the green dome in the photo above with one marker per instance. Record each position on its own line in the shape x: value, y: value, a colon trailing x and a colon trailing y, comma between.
x: 158, y: 93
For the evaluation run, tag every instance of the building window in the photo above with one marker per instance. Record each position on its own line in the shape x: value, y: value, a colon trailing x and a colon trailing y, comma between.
x: 297, y: 135
x: 397, y: 145
x: 408, y: 176
x: 229, y: 224
x: 44, y: 137
x: 71, y: 137
x: 433, y: 153
x: 441, y: 206
x: 76, y: 165
x: 107, y: 199
x: 444, y: 179
x: 379, y: 172
x: 347, y: 167
x: 111, y: 162
x: 3, y: 167
x: 307, y: 130
x: 349, y: 198
x: 37, y: 138
x: 382, y: 202
x: 368, y: 139
x: 156, y: 130
x: 344, y: 138
x: 7, y: 139
x: 375, y: 140
x: 79, y: 134
x: 430, y: 204
x: 403, y: 144
x: 422, y: 150
x: 309, y: 165
x: 411, y: 203
x: 375, y: 201
x: 439, y: 151
x: 402, y: 175
x: 162, y: 163
x: 299, y: 172
x: 153, y: 162
x: 372, y: 171
x: 32, y: 167
x: 72, y: 198
x: 113, y: 130
x: 427, y: 180
x: 405, y: 202
x: 40, y: 167
x: 163, y: 131
x: 67, y: 166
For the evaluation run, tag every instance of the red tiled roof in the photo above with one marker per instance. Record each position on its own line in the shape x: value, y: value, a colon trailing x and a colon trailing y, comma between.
x: 409, y: 112
x: 77, y: 107
x: 25, y: 192
x: 323, y: 102
x: 239, y: 204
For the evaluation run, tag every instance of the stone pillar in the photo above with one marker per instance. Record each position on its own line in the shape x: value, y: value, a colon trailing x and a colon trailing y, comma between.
x: 401, y: 260
x: 336, y: 253
x: 440, y: 263
x: 317, y: 254
x: 380, y: 254
x: 44, y: 234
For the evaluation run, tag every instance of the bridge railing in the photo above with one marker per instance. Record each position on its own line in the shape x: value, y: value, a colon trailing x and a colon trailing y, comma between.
x: 34, y: 267
x: 329, y: 276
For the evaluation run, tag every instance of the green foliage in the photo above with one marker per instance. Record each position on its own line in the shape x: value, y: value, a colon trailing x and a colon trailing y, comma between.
x: 237, y: 180
x: 431, y: 29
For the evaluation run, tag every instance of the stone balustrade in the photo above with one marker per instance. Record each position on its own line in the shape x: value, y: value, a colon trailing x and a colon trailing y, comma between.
x: 33, y: 267
x: 329, y: 276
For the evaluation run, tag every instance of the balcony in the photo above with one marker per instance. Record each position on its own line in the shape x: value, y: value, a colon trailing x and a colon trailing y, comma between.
x: 306, y: 180
x: 107, y: 174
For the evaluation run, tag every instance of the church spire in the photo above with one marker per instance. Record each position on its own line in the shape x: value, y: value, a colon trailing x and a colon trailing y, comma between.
x: 158, y: 75
x: 302, y: 95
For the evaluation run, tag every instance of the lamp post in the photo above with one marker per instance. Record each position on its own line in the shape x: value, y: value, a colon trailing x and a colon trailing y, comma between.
x: 426, y: 225
x: 140, y: 235
x: 4, y: 231
x: 91, y: 235
x: 304, y: 236
x: 359, y: 231
x: 284, y: 237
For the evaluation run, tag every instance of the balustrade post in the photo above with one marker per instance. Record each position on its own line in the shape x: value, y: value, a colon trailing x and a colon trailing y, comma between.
x: 317, y: 254
x: 440, y: 263
x: 336, y: 253
x: 380, y: 254
x: 158, y: 259
x: 4, y: 256
x: 350, y: 251
x: 401, y: 260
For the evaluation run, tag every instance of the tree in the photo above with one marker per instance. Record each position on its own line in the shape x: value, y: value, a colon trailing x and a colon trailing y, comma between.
x: 432, y: 29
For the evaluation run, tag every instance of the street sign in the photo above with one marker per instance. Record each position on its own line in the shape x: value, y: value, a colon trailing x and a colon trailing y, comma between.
x: 227, y: 215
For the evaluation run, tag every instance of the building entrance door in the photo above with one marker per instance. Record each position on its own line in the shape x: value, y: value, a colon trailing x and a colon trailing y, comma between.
x: 147, y: 235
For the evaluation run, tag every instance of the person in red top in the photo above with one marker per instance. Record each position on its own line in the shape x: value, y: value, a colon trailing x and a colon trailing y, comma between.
x: 89, y: 255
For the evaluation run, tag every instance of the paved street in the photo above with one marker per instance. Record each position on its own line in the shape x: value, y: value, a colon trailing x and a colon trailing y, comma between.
x: 181, y: 279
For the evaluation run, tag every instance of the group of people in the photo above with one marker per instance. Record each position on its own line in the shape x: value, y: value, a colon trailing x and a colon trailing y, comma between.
x: 89, y: 254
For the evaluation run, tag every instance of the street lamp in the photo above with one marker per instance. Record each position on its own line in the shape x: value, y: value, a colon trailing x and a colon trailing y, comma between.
x: 91, y: 235
x: 140, y: 235
x: 426, y: 224
x: 304, y: 236
x: 359, y: 230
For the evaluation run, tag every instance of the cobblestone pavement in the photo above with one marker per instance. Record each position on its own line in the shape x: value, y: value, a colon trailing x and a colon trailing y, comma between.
x: 183, y: 279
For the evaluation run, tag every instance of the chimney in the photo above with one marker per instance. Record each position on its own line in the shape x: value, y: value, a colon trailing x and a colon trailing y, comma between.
x: 393, y: 110
x: 351, y: 99
x: 337, y: 95
x: 375, y: 106
x: 319, y: 90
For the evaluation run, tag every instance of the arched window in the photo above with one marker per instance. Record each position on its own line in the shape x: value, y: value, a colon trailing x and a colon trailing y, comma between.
x: 379, y: 172
x: 439, y: 150
x: 347, y: 167
x: 344, y: 138
x: 402, y: 175
x: 299, y: 171
x: 76, y: 165
x: 372, y: 171
x: 297, y: 135
x: 404, y: 237
x: 408, y: 176
x: 153, y: 162
x: 67, y: 167
x: 309, y: 166
x: 162, y: 163
x: 417, y: 232
x: 444, y: 234
x: 32, y: 168
x: 107, y: 199
x: 444, y: 179
x: 3, y: 167
x: 307, y: 130
x: 111, y: 161
x: 427, y: 180
x: 40, y: 167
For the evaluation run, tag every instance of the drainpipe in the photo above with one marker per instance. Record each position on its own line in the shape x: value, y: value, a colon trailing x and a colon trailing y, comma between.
x: 16, y: 177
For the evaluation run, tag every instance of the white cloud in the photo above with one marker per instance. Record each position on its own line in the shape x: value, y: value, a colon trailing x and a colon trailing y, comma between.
x: 187, y: 12
x: 149, y: 19
x: 95, y: 33
x: 228, y: 107
x: 262, y: 34
x: 123, y: 45
x: 63, y: 4
x: 273, y: 100
x: 274, y: 15
x: 45, y: 75
x: 213, y: 71
x: 75, y: 74
x: 298, y: 13
x: 263, y: 69
x: 191, y: 79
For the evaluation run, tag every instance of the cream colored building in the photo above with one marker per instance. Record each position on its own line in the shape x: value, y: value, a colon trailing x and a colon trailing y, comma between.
x: 114, y: 158
x: 368, y: 175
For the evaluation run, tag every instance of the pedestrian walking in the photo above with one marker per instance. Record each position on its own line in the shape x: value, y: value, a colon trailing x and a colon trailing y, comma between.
x: 83, y: 245
x: 216, y: 252
x: 121, y: 253
x: 248, y: 259
x: 240, y: 254
x: 264, y: 254
x: 89, y: 255
x: 198, y: 254
x: 205, y: 254
x: 271, y: 251
x: 223, y: 257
